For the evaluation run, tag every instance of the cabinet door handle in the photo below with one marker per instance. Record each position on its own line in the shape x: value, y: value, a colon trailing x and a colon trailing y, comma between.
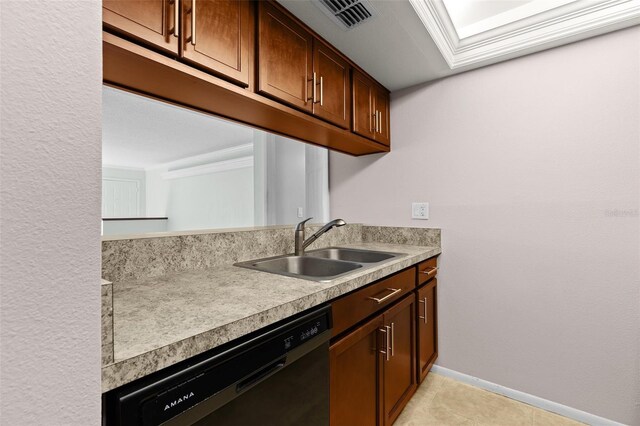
x: 380, y: 122
x: 321, y: 90
x: 313, y: 89
x: 424, y: 318
x: 193, y: 22
x: 430, y: 270
x: 176, y: 20
x: 393, y: 340
x: 393, y: 291
x: 386, y: 350
x: 373, y: 128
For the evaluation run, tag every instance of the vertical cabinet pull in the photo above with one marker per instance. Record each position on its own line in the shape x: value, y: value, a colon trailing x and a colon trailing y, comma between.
x: 313, y: 89
x: 193, y: 22
x: 374, y: 128
x: 176, y: 20
x: 393, y: 340
x: 379, y: 122
x: 387, y: 344
x: 424, y: 318
x: 321, y: 91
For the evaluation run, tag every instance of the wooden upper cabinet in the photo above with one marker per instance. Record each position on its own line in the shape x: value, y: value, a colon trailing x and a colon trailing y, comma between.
x: 427, y: 328
x: 363, y: 101
x: 370, y: 109
x: 381, y: 107
x: 399, y: 365
x: 152, y: 22
x: 218, y: 35
x: 285, y: 52
x: 354, y: 376
x: 331, y: 73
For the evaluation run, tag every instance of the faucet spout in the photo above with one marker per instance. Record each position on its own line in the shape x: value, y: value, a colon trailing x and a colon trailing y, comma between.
x: 302, y: 244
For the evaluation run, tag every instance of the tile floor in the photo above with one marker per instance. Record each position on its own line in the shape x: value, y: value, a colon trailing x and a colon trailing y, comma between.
x: 443, y: 401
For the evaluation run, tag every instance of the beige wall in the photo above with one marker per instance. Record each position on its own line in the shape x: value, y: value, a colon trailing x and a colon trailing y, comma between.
x: 50, y: 91
x: 532, y: 170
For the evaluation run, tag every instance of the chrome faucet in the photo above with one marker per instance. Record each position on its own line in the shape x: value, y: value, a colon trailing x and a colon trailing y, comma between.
x: 302, y: 244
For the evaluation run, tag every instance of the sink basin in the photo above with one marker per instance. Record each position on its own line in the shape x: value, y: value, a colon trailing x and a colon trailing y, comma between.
x: 320, y: 265
x: 313, y: 268
x: 352, y: 255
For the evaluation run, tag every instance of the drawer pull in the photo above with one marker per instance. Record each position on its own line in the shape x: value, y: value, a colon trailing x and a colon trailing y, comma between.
x: 393, y: 291
x: 429, y: 271
x: 425, y: 310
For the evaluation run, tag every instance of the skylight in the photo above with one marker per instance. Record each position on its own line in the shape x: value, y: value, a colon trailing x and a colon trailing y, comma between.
x: 473, y: 17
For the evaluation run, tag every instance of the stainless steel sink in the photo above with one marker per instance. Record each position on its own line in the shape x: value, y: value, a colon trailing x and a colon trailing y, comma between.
x: 313, y: 268
x: 352, y: 255
x: 320, y: 265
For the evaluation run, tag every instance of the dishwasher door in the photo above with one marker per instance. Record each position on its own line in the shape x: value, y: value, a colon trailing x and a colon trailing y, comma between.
x: 297, y: 395
x: 277, y: 376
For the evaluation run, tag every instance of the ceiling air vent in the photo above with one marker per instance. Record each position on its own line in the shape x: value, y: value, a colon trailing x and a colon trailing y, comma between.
x: 347, y: 13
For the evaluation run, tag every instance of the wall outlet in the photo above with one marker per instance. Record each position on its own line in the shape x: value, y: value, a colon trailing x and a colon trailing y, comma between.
x: 420, y: 211
x: 300, y: 212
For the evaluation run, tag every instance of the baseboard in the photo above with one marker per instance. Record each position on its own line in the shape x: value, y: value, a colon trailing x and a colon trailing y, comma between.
x: 545, y: 404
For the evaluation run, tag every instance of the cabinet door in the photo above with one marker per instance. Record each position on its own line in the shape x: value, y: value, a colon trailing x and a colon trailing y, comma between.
x: 363, y: 94
x: 153, y: 22
x: 427, y: 328
x: 284, y: 57
x: 332, y: 85
x: 382, y: 133
x: 223, y: 31
x: 399, y: 367
x: 354, y: 375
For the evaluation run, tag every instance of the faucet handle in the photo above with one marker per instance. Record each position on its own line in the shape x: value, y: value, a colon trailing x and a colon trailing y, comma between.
x: 300, y: 226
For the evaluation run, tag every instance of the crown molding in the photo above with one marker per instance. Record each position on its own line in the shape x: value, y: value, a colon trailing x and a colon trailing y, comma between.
x: 220, y: 166
x: 571, y: 22
x: 237, y: 151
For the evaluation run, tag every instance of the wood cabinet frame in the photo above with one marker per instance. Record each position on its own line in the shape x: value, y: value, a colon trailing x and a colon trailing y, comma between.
x: 153, y: 63
x: 128, y: 66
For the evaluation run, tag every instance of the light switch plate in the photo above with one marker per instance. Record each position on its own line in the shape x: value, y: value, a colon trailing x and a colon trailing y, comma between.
x: 420, y: 211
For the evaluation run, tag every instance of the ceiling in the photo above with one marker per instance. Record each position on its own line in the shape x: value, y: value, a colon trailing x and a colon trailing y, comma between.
x: 408, y: 42
x: 394, y: 46
x: 139, y: 132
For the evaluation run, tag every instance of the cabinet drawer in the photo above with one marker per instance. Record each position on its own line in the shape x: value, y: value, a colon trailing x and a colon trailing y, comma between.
x: 427, y: 270
x: 354, y: 307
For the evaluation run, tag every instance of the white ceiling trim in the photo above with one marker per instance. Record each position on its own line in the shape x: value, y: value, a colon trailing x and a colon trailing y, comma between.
x: 206, y: 169
x: 570, y: 22
x: 238, y: 151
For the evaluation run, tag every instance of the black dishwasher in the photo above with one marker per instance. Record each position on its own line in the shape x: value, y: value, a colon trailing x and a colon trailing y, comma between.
x: 276, y: 376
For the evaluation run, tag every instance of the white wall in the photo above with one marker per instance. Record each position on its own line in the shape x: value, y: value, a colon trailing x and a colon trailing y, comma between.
x: 289, y: 181
x: 50, y: 82
x: 157, y: 193
x: 532, y: 170
x: 215, y: 200
x: 296, y: 176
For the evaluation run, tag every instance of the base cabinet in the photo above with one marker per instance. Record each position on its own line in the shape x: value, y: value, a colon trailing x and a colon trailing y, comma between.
x: 373, y: 368
x: 383, y: 346
x: 427, y: 336
x: 399, y: 366
x: 354, y: 376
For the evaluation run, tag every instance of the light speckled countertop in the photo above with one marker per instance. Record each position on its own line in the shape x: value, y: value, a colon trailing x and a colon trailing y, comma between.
x: 163, y: 320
